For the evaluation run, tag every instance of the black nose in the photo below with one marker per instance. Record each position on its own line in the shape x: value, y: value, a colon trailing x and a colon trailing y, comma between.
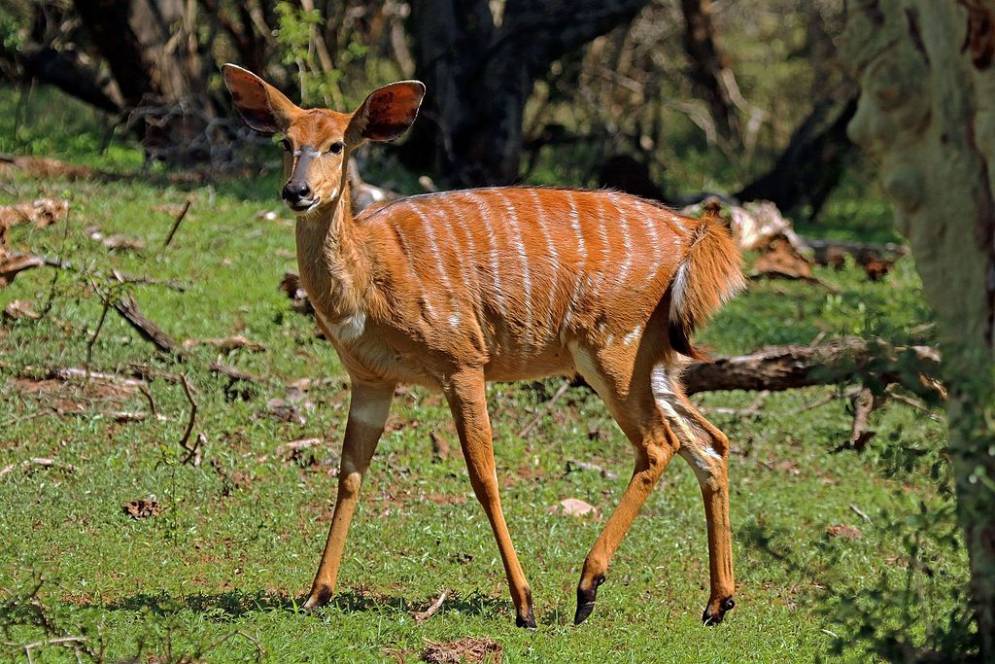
x: 296, y: 191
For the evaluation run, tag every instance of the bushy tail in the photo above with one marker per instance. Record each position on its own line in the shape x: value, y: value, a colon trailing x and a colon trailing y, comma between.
x: 709, y: 274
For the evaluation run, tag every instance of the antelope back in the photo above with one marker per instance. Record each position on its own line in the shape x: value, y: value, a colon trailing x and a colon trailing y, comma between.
x: 524, y: 270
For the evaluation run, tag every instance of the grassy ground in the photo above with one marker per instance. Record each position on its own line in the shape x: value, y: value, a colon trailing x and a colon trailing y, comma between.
x: 217, y: 574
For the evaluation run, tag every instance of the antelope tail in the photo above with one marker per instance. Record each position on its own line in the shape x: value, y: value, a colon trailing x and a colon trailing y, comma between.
x: 709, y: 274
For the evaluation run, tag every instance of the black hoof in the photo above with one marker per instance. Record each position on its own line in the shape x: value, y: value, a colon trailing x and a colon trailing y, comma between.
x: 710, y: 619
x: 529, y: 621
x: 318, y: 597
x: 586, y: 599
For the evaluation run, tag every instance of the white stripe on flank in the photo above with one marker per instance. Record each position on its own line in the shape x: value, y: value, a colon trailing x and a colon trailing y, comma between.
x: 466, y: 237
x: 581, y: 251
x: 523, y: 257
x: 433, y: 247
x: 554, y: 256
x: 492, y: 248
x: 409, y: 258
x: 649, y: 223
x: 623, y: 218
x: 605, y: 247
x: 446, y: 219
x: 414, y: 273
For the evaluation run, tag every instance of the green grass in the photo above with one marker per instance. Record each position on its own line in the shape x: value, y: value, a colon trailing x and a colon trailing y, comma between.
x: 222, y: 561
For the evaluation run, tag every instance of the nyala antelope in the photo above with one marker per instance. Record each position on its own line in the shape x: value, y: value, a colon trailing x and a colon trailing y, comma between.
x: 454, y: 289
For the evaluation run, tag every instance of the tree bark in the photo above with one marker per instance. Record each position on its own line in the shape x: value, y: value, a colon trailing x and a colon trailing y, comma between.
x: 707, y: 66
x: 927, y: 113
x: 109, y: 25
x: 480, y: 74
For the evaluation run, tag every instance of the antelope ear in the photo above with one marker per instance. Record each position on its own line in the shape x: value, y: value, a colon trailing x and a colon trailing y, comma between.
x: 262, y: 107
x: 387, y: 113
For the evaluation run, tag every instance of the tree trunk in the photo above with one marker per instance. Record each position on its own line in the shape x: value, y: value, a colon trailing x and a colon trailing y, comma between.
x: 927, y: 113
x: 480, y: 73
x: 708, y: 65
x: 810, y: 167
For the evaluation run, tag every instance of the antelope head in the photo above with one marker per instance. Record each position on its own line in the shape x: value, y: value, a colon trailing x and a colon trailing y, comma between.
x: 317, y: 141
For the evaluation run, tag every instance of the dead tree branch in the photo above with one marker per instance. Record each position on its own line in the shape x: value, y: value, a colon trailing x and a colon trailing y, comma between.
x: 846, y: 360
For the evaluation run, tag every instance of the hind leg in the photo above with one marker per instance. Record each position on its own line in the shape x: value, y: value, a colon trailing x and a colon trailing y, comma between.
x: 707, y: 450
x: 655, y: 444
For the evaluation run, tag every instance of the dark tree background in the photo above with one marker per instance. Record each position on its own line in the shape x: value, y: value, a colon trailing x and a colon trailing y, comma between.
x: 508, y: 82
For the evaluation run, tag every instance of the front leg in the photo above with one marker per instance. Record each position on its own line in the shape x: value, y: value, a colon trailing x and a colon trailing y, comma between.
x: 368, y: 410
x: 466, y: 395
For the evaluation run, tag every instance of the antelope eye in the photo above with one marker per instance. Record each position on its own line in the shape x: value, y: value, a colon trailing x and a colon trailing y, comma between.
x: 336, y: 147
x: 286, y: 145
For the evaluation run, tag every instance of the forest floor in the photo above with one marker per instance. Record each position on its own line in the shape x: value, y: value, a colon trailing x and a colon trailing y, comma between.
x: 120, y: 542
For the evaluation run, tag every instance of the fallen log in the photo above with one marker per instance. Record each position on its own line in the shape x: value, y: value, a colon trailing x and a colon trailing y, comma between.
x: 846, y: 360
x: 875, y: 259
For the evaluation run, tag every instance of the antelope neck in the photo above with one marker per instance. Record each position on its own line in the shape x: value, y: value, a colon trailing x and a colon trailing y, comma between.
x: 331, y: 265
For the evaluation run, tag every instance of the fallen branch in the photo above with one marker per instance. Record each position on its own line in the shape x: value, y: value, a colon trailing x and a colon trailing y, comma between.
x: 77, y: 373
x: 176, y: 223
x: 831, y: 252
x: 847, y: 360
x: 227, y: 344
x: 128, y: 308
x: 42, y: 462
x: 422, y: 616
x: 236, y: 375
x: 295, y: 447
x: 13, y: 264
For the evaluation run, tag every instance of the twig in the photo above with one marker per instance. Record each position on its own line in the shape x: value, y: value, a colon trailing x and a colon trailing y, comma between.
x: 62, y: 640
x: 422, y: 616
x: 100, y: 325
x: 234, y: 374
x: 176, y: 223
x: 115, y: 275
x: 193, y: 451
x: 147, y: 393
x: 859, y: 512
x: 545, y: 407
x: 128, y: 308
x: 55, y: 276
x: 74, y: 373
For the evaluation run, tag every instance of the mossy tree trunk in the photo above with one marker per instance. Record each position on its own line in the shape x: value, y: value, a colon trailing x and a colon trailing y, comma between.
x: 927, y: 114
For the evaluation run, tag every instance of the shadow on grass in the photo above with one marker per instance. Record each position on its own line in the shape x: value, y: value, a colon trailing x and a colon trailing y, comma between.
x: 236, y: 603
